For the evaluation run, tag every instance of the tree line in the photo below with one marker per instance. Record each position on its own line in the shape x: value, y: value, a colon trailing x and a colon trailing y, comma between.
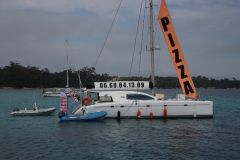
x: 19, y: 76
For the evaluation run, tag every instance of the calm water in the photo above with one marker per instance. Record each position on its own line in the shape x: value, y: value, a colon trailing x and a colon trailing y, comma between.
x: 28, y: 138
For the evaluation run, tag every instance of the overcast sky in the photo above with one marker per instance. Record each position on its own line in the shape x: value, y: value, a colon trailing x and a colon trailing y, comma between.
x: 33, y: 32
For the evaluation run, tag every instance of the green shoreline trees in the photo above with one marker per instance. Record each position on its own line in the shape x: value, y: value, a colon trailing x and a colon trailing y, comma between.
x: 18, y: 76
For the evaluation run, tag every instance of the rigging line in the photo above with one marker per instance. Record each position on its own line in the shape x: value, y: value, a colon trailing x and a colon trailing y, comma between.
x: 108, y: 33
x: 157, y: 28
x: 140, y: 56
x: 66, y: 50
x: 158, y: 39
x: 148, y: 35
x: 141, y: 44
x: 147, y: 32
x: 135, y: 40
x: 106, y: 38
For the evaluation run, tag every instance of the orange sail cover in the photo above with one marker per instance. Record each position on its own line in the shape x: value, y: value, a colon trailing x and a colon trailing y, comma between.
x: 176, y: 53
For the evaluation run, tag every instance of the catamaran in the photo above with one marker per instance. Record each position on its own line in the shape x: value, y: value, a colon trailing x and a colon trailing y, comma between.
x: 123, y: 99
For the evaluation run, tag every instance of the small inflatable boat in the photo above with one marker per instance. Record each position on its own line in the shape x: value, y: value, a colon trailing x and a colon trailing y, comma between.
x: 86, y: 117
x: 33, y: 112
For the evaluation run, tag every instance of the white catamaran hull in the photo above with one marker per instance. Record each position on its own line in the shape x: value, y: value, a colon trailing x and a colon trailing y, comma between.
x: 159, y: 109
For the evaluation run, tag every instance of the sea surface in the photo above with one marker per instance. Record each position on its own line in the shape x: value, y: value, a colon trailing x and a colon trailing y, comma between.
x: 42, y: 138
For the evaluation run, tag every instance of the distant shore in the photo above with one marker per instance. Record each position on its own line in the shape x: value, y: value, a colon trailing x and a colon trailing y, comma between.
x: 17, y: 76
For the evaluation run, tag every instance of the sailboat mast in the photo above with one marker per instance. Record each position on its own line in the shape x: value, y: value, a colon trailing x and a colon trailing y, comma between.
x: 66, y: 45
x: 152, y: 42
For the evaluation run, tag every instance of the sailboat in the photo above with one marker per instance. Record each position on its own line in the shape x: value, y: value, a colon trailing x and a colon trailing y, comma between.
x: 120, y: 100
x: 56, y: 92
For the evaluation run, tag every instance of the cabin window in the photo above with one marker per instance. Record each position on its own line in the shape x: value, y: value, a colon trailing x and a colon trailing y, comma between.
x: 94, y: 96
x: 105, y: 98
x: 138, y: 97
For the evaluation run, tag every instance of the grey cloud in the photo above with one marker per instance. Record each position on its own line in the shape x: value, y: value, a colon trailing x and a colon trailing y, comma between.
x: 34, y: 33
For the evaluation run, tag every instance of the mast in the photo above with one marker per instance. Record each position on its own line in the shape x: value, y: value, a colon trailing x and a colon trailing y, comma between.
x: 152, y: 43
x: 66, y: 45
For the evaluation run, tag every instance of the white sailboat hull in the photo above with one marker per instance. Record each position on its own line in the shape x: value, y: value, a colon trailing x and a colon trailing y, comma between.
x: 51, y: 95
x: 174, y: 109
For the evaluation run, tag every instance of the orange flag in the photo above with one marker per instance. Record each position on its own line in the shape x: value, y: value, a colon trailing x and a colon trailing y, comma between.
x: 176, y: 53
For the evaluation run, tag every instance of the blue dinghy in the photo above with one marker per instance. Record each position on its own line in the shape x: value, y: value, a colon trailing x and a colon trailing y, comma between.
x: 86, y: 117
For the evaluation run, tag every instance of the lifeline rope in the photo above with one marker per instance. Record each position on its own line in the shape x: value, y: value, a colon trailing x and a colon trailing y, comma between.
x: 140, y: 53
x: 106, y: 38
x: 135, y: 40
